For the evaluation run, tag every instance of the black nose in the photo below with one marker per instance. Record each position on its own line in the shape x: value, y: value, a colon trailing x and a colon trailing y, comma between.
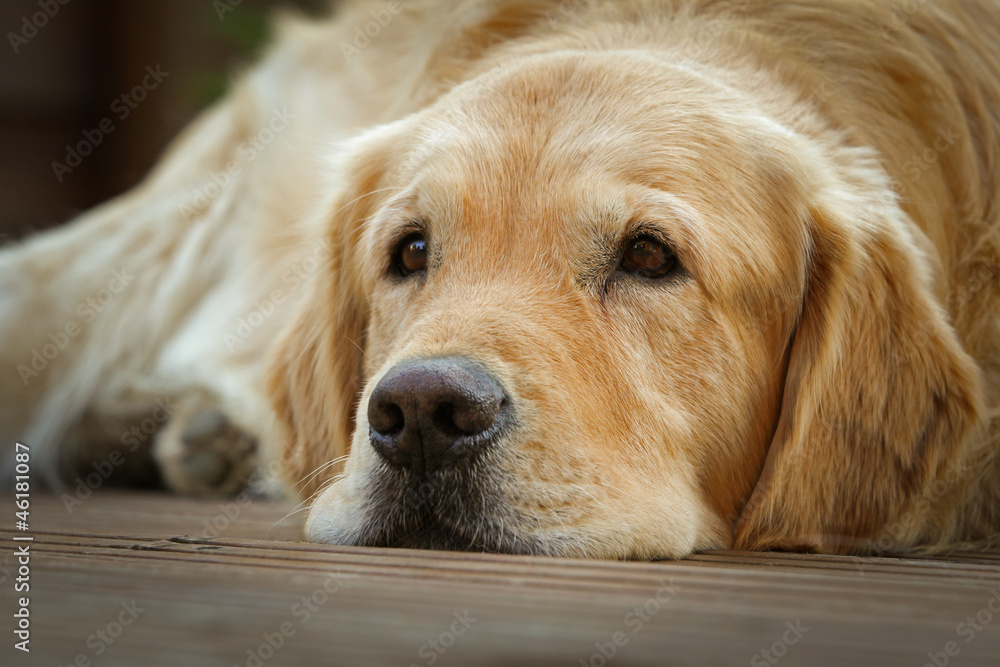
x: 427, y: 414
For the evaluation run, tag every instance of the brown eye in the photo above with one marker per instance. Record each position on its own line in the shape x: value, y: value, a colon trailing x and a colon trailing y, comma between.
x: 411, y: 255
x: 648, y: 258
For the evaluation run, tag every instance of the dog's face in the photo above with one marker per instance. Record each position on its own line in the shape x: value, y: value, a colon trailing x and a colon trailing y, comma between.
x: 571, y: 309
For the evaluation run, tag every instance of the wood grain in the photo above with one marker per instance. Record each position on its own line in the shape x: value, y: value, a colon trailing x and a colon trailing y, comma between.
x: 212, y: 599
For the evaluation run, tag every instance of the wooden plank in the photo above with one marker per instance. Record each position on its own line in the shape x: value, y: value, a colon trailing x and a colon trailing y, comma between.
x: 154, y: 514
x: 213, y: 600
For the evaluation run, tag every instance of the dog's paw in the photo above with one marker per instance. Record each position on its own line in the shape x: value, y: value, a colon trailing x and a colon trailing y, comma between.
x: 202, y: 453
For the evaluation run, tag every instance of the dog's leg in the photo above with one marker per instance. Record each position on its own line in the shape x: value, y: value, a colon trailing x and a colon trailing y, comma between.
x: 201, y: 452
x: 127, y: 308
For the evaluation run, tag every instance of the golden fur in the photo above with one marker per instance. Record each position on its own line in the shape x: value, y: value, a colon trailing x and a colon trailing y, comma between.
x: 822, y: 377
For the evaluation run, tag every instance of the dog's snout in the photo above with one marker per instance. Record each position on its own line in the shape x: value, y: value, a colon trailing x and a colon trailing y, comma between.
x: 431, y: 413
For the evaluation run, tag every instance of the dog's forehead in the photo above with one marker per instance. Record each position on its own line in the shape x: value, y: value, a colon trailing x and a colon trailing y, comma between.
x: 543, y: 158
x: 575, y: 110
x: 552, y: 123
x: 549, y: 116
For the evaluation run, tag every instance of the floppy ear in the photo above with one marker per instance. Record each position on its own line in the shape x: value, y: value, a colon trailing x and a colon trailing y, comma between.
x: 880, y: 400
x: 315, y: 375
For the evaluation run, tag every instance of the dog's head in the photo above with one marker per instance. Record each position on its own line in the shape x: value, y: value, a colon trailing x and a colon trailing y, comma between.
x: 598, y: 304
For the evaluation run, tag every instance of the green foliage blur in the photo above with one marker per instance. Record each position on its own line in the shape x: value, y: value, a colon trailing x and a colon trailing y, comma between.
x: 244, y: 32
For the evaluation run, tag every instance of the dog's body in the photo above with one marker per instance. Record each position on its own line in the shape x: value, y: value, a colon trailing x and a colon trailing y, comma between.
x: 813, y: 364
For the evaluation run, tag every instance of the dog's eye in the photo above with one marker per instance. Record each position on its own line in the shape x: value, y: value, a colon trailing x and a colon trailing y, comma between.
x: 411, y: 255
x: 647, y: 257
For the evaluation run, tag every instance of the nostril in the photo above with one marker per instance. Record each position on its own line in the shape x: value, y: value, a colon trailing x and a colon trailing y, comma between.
x: 387, y: 419
x: 454, y: 421
x: 473, y: 418
x: 444, y: 421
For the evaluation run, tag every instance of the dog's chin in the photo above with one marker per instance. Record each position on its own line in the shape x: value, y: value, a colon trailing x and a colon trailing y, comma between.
x: 449, y: 511
x: 435, y: 535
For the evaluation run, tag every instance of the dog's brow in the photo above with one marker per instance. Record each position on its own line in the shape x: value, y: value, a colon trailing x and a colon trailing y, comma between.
x: 360, y: 197
x: 676, y: 208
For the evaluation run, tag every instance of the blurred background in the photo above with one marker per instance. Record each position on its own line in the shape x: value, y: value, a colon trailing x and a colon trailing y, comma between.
x: 64, y: 69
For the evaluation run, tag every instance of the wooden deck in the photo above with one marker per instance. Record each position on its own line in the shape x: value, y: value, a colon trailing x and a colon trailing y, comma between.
x: 139, y: 579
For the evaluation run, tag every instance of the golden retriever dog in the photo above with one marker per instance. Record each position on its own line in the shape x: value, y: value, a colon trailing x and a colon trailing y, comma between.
x: 596, y: 278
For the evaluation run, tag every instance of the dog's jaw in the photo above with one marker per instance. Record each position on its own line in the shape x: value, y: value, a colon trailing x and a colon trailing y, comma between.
x: 375, y: 506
